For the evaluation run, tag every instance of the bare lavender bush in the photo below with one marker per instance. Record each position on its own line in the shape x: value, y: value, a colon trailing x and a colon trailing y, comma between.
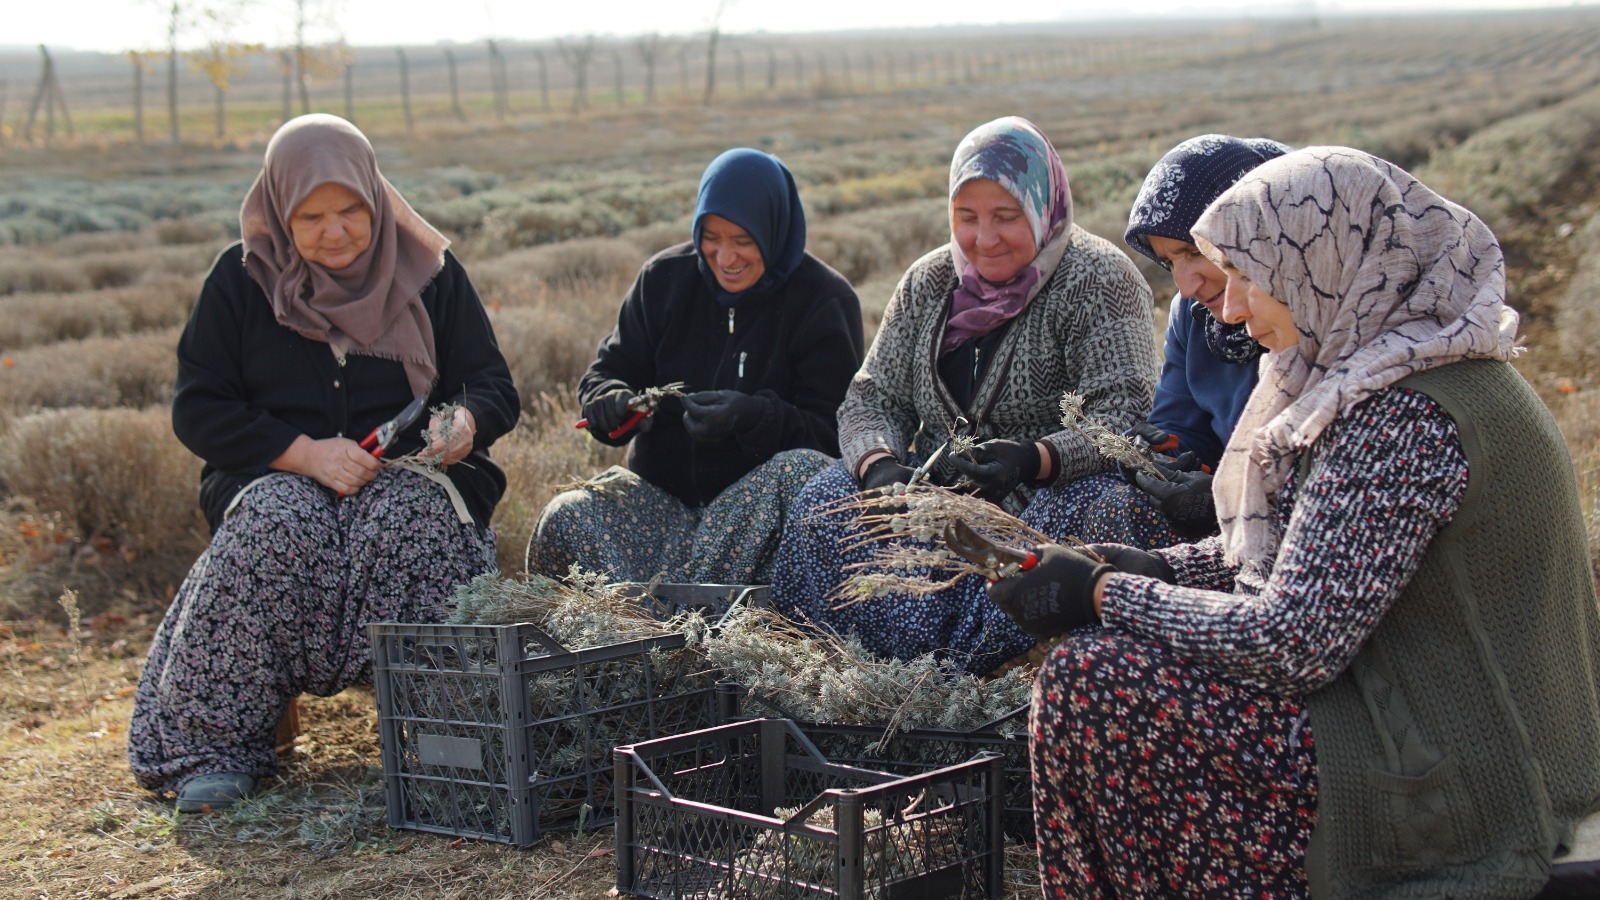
x: 113, y: 474
x: 133, y: 370
x: 157, y: 301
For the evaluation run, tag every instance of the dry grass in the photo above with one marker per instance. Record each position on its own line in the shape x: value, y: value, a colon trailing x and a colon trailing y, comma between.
x: 118, y: 477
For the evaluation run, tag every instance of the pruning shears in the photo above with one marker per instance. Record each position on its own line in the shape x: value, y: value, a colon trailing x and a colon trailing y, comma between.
x: 921, y: 472
x: 995, y: 561
x: 645, y: 403
x: 383, y: 436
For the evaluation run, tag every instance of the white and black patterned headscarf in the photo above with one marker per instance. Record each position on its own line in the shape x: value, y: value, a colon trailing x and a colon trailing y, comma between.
x: 1178, y: 189
x: 1384, y: 278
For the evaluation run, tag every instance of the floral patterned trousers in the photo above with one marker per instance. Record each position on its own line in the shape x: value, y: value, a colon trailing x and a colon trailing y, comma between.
x: 277, y: 606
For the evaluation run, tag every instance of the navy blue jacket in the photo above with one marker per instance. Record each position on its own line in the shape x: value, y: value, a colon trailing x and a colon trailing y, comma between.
x: 1199, y: 397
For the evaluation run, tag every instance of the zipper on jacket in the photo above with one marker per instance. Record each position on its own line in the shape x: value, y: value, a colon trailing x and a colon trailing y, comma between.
x: 730, y: 320
x: 738, y: 383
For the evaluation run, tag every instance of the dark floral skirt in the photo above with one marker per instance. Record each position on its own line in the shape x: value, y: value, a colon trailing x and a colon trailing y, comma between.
x: 277, y: 606
x: 1156, y: 778
x: 621, y: 526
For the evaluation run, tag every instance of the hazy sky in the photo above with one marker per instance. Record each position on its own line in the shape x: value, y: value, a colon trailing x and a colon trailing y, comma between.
x: 140, y: 24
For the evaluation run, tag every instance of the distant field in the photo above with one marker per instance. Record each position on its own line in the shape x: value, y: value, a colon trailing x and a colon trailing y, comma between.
x: 103, y: 245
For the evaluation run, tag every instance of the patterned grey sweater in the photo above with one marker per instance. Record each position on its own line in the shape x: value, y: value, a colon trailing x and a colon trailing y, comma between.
x: 1089, y: 330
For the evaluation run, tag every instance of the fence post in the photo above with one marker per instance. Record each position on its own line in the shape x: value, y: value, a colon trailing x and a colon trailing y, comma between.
x: 405, y: 89
x: 455, y: 85
x: 49, y: 93
x: 349, y: 93
x: 544, y: 81
x: 288, y: 86
x: 616, y: 64
x: 138, y: 98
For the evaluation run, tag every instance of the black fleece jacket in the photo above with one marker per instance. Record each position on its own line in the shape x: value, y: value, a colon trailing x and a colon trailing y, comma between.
x: 247, y: 386
x: 796, y: 344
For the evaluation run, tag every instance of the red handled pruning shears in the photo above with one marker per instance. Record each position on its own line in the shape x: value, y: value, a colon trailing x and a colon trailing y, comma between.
x: 996, y: 562
x: 381, y: 437
x: 645, y: 403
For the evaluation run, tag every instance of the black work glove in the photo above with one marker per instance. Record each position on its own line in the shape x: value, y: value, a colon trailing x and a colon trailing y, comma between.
x: 1186, y: 500
x: 1152, y: 437
x: 713, y: 415
x: 1134, y: 561
x: 1053, y: 597
x: 610, y: 410
x: 884, y: 471
x: 996, y: 467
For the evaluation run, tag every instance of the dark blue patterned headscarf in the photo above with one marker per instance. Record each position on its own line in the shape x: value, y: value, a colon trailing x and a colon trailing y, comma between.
x: 754, y: 191
x: 1175, y: 193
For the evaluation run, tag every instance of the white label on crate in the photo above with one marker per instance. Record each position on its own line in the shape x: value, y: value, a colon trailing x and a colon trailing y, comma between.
x: 443, y: 750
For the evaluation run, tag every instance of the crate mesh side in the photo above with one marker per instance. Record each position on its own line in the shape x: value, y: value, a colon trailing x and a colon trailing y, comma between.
x: 445, y: 741
x: 915, y: 752
x: 579, y: 713
x: 921, y: 840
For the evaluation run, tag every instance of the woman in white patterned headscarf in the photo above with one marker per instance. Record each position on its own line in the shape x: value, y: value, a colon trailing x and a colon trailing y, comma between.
x: 1403, y: 577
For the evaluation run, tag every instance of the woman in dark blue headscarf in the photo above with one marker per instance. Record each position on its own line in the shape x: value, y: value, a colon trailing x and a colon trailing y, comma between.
x: 1208, y: 370
x: 765, y: 338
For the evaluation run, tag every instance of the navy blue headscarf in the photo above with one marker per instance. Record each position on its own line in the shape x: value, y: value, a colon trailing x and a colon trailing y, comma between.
x: 1177, y: 190
x: 754, y: 191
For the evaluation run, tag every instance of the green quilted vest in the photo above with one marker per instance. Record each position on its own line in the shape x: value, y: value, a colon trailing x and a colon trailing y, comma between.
x: 1463, y: 742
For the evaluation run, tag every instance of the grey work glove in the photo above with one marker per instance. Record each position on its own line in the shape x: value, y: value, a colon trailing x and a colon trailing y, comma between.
x: 1053, y: 597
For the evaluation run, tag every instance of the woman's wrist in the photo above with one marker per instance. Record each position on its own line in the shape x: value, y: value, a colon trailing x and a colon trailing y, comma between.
x: 868, y: 459
x: 1047, y: 467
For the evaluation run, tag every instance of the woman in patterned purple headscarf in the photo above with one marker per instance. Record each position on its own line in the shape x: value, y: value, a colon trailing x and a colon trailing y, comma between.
x: 981, y: 338
x: 1383, y: 678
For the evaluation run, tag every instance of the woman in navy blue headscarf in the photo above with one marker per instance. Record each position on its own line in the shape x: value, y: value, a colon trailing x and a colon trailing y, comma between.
x: 1208, y: 370
x: 765, y: 338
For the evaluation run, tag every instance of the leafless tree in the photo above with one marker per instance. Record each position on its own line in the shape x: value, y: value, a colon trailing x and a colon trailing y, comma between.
x: 650, y: 48
x: 711, y: 49
x: 578, y: 53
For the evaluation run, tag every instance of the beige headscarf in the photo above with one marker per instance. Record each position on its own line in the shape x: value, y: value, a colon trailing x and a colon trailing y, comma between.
x: 372, y: 306
x: 1384, y: 278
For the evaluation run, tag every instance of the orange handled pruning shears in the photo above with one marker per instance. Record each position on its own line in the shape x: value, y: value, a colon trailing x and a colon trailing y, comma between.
x: 996, y: 562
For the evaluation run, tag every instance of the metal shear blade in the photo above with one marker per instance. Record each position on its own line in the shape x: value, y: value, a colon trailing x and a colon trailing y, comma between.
x: 996, y: 562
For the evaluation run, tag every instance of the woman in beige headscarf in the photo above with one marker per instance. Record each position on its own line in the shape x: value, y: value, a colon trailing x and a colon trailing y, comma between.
x: 1403, y: 577
x: 338, y: 310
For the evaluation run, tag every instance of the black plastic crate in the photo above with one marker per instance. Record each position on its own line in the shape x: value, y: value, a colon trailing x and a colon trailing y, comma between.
x: 913, y: 751
x: 754, y: 810
x: 498, y: 732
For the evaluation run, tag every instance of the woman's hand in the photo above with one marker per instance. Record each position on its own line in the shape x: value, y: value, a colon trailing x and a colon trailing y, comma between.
x: 996, y: 467
x: 338, y: 464
x: 448, y: 449
x: 1059, y: 594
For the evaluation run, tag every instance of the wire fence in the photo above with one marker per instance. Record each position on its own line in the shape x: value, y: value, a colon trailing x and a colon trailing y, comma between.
x: 239, y: 92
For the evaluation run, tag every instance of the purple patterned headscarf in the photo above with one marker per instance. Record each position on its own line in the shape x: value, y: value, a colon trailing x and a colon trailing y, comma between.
x: 1013, y: 153
x: 1383, y: 277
